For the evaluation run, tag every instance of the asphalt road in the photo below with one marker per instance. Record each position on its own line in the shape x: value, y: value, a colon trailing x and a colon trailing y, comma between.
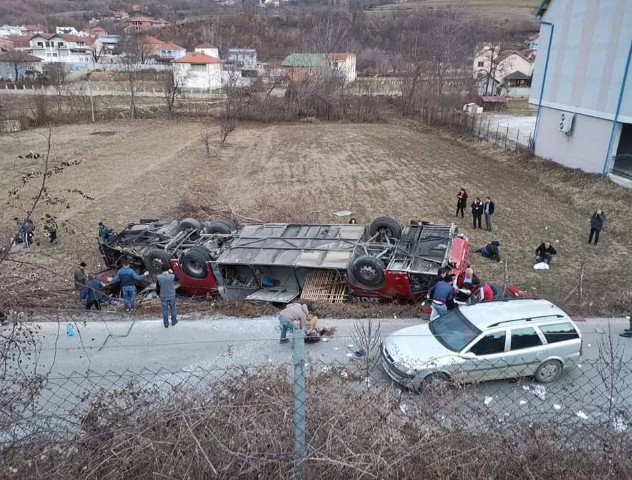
x: 103, y: 349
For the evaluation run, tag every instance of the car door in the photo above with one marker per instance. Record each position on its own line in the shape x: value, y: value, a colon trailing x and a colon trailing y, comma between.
x: 527, y: 350
x: 483, y: 357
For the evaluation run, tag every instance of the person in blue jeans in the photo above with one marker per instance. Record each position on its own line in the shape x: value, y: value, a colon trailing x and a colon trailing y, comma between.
x: 440, y: 294
x: 166, y: 290
x: 128, y: 278
x: 295, y: 315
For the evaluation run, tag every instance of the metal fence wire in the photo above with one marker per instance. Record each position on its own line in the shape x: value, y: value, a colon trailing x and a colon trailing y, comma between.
x: 311, y: 418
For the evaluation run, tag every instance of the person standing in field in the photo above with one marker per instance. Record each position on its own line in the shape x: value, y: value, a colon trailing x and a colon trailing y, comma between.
x: 488, y: 209
x: 166, y: 290
x: 477, y: 212
x: 80, y: 280
x: 461, y: 202
x: 596, y: 224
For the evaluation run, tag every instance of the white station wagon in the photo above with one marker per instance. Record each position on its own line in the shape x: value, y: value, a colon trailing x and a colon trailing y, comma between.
x: 486, y: 341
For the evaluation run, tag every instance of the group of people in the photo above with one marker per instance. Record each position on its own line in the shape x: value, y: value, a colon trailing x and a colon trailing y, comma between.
x: 25, y: 233
x: 446, y: 291
x: 90, y: 289
x: 479, y: 209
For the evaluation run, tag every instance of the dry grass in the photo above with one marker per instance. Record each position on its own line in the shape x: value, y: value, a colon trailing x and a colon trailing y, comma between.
x: 241, y: 427
x: 305, y: 172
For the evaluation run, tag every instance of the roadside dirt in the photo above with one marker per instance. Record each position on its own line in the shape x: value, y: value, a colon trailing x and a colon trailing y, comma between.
x: 305, y: 172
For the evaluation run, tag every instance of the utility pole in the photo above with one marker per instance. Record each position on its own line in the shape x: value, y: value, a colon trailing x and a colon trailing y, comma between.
x: 91, y: 100
x: 298, y: 347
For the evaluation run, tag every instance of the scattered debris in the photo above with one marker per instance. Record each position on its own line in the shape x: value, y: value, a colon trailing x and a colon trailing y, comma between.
x: 360, y: 353
x: 403, y: 407
x: 523, y: 402
x: 557, y: 407
x: 582, y: 415
x: 343, y: 213
x: 619, y: 425
x: 488, y: 400
x: 349, y: 354
x: 540, y: 392
x: 344, y: 373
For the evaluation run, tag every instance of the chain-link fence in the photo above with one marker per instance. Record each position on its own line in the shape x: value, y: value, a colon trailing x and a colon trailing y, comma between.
x: 320, y: 418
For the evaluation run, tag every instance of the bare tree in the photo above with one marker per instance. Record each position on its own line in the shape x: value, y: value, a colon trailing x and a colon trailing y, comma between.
x: 97, y: 50
x: 227, y: 126
x: 171, y: 88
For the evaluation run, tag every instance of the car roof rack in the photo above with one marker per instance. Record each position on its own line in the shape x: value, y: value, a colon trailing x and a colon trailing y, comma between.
x: 556, y: 315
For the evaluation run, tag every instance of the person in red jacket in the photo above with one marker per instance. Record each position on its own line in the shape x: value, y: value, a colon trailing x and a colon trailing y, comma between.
x: 484, y: 292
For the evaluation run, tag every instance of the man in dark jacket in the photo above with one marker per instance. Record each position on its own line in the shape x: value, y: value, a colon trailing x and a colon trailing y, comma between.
x: 490, y: 251
x: 166, y: 290
x: 544, y: 253
x: 128, y: 278
x: 488, y: 208
x: 80, y: 280
x: 477, y: 212
x: 92, y: 293
x: 596, y: 224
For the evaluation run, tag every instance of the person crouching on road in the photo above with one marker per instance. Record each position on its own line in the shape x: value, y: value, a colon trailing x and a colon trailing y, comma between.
x: 295, y: 315
x: 440, y: 294
x: 166, y: 290
x: 128, y: 278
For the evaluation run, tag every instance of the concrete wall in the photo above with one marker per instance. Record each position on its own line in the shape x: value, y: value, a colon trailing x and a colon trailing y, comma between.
x: 585, y: 148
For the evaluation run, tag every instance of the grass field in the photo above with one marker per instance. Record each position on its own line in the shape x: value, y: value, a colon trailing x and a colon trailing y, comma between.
x: 305, y: 172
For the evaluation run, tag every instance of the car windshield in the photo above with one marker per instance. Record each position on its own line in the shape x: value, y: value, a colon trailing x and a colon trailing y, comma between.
x: 453, y: 330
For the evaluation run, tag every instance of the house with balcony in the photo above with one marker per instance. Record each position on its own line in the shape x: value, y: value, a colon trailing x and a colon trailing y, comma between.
x: 65, y: 48
x: 198, y: 71
x: 142, y: 24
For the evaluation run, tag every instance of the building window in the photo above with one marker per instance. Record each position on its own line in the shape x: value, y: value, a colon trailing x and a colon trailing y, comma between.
x: 48, y: 44
x: 198, y: 68
x: 54, y: 54
x: 60, y: 44
x: 40, y: 44
x: 481, y: 64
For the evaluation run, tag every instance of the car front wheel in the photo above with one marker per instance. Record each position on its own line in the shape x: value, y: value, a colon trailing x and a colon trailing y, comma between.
x: 549, y: 371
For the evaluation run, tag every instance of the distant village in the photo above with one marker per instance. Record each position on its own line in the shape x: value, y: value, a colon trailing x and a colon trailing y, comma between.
x: 27, y: 52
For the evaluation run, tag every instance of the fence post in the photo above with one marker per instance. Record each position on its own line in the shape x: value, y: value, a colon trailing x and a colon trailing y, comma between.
x: 497, y: 129
x: 517, y: 139
x: 488, y: 125
x: 507, y: 136
x: 298, y: 347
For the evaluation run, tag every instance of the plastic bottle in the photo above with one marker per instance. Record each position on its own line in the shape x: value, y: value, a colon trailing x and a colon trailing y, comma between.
x: 70, y: 329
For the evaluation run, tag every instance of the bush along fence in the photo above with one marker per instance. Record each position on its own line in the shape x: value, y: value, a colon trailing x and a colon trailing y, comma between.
x: 310, y: 419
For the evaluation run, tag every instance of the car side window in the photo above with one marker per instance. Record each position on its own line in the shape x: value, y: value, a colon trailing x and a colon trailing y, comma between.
x: 559, y: 332
x: 490, y: 344
x: 524, y: 338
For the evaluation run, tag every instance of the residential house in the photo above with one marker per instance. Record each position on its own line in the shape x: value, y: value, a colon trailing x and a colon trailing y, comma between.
x: 5, y: 45
x: 106, y: 43
x: 142, y: 24
x: 20, y: 42
x: 121, y: 15
x: 16, y: 65
x: 66, y: 31
x: 34, y: 29
x: 208, y: 49
x: 197, y: 71
x: 65, y: 48
x: 302, y: 65
x: 163, y: 52
x: 6, y: 30
x: 244, y: 58
x: 531, y: 43
x: 582, y: 86
x: 492, y: 65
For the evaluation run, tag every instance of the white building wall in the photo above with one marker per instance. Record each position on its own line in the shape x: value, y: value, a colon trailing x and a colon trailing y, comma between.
x: 585, y: 148
x: 211, y: 52
x: 191, y: 77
